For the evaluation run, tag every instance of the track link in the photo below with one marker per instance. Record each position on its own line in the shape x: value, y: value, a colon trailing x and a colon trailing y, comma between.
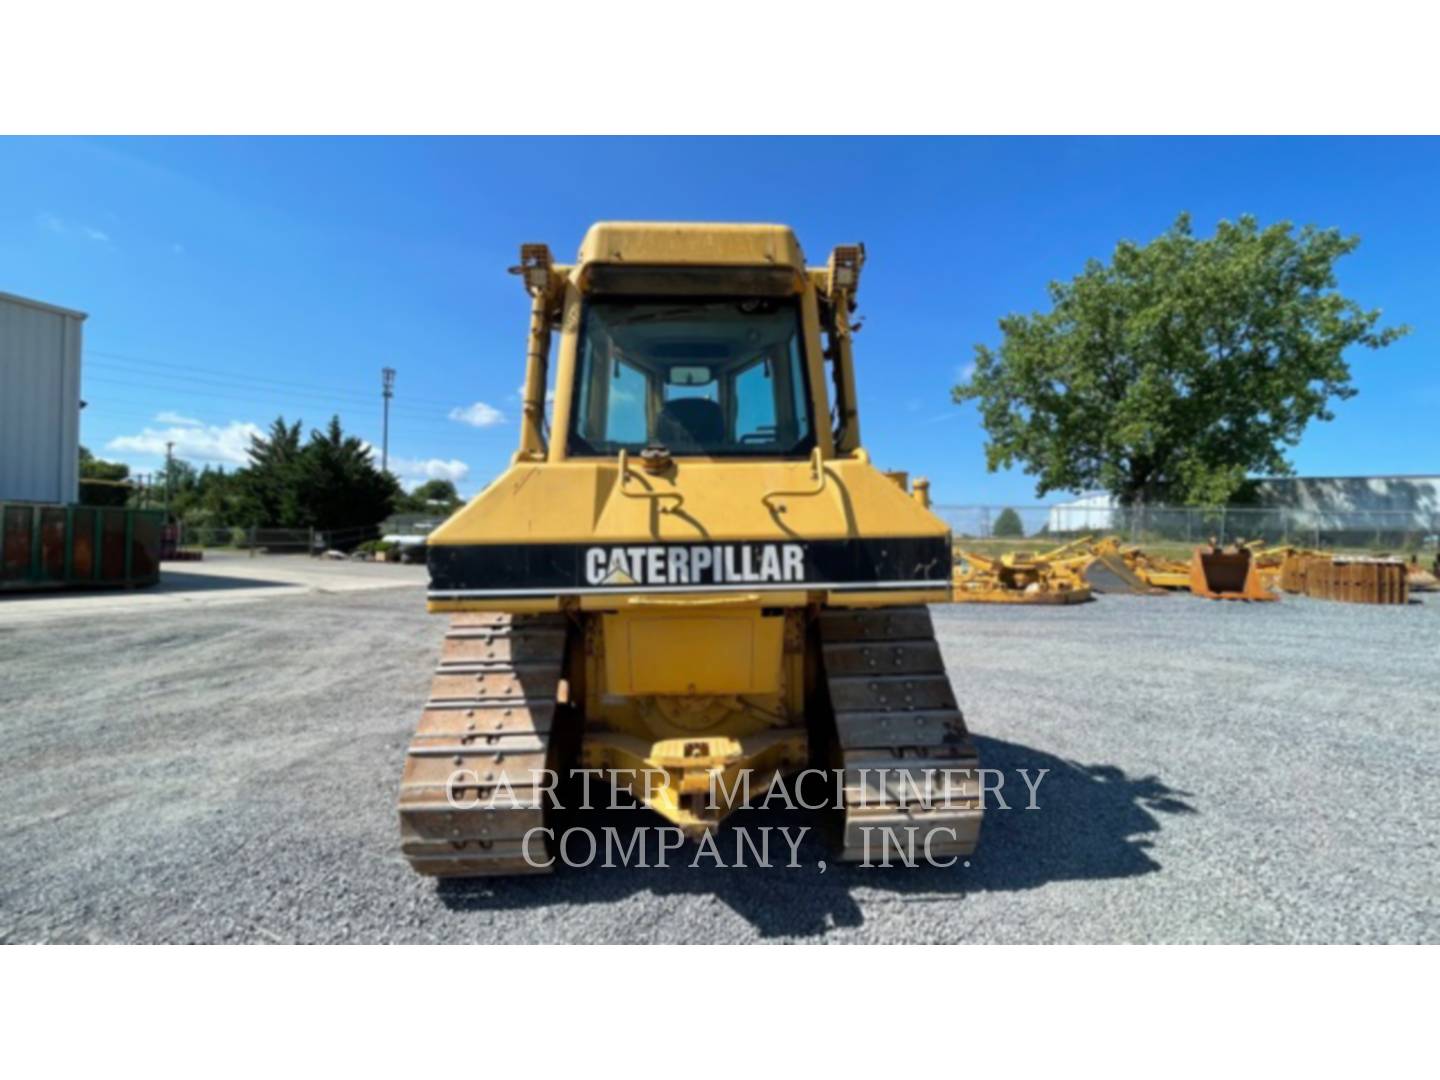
x: 485, y: 728
x: 911, y: 788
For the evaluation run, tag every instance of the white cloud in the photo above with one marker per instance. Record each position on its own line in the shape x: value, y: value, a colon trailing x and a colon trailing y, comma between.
x: 478, y: 415
x: 226, y: 445
x: 415, y: 470
x: 965, y: 372
x: 167, y: 416
x: 940, y: 418
x: 230, y: 445
x: 56, y: 224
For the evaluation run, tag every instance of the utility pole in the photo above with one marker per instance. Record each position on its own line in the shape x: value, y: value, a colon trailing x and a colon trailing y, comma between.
x: 387, y: 391
x: 169, y: 472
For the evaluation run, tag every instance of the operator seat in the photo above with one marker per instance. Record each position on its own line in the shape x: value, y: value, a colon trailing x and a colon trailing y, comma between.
x: 690, y: 424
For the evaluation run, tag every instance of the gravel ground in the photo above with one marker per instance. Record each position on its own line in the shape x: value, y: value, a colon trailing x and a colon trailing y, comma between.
x: 1220, y: 772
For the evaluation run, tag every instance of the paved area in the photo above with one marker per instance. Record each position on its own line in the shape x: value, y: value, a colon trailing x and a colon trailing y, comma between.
x: 1219, y: 772
x: 219, y: 578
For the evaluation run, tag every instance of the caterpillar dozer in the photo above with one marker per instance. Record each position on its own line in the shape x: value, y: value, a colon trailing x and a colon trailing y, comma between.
x: 691, y: 572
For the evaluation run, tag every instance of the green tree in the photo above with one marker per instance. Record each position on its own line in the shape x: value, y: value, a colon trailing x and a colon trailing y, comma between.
x: 103, y: 483
x: 268, y: 488
x: 180, y: 479
x: 1178, y: 369
x: 337, y: 484
x: 204, y: 499
x: 1008, y: 524
x: 330, y: 482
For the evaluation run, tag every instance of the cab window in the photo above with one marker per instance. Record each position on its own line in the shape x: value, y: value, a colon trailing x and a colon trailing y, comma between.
x: 706, y: 377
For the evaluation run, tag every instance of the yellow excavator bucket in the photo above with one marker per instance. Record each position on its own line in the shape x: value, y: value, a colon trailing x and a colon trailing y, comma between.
x: 1220, y: 574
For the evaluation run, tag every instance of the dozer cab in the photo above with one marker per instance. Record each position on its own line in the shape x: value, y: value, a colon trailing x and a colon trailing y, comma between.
x: 691, y: 573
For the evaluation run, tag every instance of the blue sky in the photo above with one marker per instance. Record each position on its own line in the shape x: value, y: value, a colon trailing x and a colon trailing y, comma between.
x: 232, y: 280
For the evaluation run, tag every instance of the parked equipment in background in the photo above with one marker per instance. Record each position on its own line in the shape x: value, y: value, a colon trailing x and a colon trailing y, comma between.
x: 1123, y: 569
x: 171, y: 545
x: 1218, y: 573
x: 691, y: 574
x: 1158, y: 572
x: 56, y: 547
x: 1350, y: 579
x: 1419, y: 579
x: 1269, y: 561
x: 1052, y: 577
x: 1292, y: 569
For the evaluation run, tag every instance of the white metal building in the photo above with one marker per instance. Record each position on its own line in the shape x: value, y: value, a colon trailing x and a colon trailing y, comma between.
x: 39, y: 401
x: 1396, y: 502
x: 1092, y: 512
x: 1371, y: 499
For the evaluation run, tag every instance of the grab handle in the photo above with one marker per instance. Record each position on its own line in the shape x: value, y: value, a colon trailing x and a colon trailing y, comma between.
x: 817, y: 473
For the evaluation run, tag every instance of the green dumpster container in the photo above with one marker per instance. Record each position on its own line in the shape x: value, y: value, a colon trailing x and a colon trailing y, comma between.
x: 51, y: 547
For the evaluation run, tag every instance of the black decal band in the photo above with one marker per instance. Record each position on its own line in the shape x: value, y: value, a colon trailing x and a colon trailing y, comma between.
x: 458, y: 571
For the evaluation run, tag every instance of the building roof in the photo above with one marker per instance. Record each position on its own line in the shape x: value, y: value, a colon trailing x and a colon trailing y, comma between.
x: 1358, y: 476
x: 40, y: 305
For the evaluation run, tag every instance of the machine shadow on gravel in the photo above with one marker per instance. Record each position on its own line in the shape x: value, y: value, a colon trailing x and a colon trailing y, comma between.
x: 1092, y: 821
x: 180, y: 581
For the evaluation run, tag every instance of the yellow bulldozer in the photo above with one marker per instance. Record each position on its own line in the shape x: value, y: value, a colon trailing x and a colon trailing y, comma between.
x: 691, y: 573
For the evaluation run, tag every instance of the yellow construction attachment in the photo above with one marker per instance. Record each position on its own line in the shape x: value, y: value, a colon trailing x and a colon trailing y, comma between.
x: 1419, y: 579
x: 1349, y: 579
x: 1292, y: 569
x: 1161, y: 573
x: 1051, y: 577
x: 1119, y: 568
x: 1218, y: 573
x: 1268, y: 560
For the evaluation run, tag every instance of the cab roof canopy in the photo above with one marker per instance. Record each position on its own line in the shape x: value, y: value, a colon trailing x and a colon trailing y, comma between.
x: 726, y: 258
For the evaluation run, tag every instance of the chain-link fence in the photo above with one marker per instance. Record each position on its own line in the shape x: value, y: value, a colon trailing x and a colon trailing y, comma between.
x: 277, y: 541
x: 1371, y: 530
x: 1368, y: 530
